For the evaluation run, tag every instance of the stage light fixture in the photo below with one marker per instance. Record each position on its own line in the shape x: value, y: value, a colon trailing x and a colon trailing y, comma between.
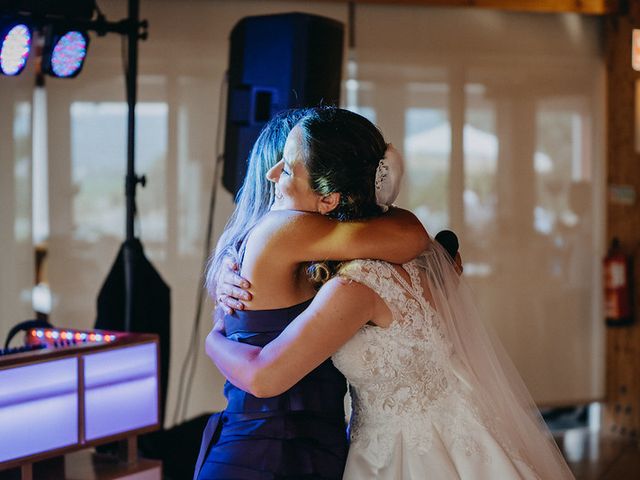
x: 15, y: 48
x: 69, y: 9
x: 64, y: 53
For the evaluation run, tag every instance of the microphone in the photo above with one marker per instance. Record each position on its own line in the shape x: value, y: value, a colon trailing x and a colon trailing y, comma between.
x: 449, y: 242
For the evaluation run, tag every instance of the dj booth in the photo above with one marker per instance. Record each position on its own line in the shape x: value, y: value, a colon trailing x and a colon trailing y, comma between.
x: 66, y: 390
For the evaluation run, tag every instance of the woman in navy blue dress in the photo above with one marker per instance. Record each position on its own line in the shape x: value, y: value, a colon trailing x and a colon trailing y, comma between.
x: 300, y: 433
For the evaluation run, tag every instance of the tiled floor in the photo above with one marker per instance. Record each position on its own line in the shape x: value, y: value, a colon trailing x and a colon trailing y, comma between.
x: 592, y: 456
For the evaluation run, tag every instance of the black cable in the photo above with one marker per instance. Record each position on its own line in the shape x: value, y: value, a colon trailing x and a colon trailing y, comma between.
x: 190, y: 362
x: 191, y: 359
x: 23, y: 327
x: 208, y: 244
x: 201, y: 295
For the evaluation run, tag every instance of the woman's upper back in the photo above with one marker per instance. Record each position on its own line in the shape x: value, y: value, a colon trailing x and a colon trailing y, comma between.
x: 272, y: 263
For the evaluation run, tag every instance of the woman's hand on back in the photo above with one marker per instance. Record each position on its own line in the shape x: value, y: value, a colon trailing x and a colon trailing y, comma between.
x: 231, y: 288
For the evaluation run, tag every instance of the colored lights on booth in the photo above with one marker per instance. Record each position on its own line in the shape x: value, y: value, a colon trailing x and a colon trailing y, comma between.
x: 70, y: 336
x: 15, y: 48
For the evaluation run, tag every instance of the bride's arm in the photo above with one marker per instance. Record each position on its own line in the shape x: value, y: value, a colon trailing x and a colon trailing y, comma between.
x: 396, y: 237
x: 335, y: 315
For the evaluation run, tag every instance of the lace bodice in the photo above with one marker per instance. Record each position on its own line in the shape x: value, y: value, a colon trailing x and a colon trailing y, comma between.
x: 403, y: 378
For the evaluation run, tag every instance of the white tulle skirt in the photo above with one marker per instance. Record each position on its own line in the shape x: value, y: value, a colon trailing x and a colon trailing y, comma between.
x: 443, y: 460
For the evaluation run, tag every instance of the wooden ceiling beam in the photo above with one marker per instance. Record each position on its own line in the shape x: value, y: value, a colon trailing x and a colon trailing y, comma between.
x: 586, y: 7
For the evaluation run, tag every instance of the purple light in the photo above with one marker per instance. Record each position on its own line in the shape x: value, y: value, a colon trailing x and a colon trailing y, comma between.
x: 68, y: 54
x: 121, y: 390
x: 15, y: 50
x: 43, y: 396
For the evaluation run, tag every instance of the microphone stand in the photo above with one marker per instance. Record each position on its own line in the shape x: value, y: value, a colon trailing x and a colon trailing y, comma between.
x: 132, y: 179
x: 135, y: 30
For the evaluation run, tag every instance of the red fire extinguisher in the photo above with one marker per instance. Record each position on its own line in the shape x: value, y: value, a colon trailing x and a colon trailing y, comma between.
x: 617, y: 287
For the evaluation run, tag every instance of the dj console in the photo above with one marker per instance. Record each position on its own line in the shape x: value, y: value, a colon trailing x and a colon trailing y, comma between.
x: 64, y: 390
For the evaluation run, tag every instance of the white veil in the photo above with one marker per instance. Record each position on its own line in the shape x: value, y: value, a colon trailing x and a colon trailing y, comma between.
x: 482, y: 363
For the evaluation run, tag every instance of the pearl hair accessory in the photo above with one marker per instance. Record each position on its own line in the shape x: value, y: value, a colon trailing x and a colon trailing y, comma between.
x: 389, y: 177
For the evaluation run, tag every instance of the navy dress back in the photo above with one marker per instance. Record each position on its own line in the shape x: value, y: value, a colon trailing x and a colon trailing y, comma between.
x: 299, y: 434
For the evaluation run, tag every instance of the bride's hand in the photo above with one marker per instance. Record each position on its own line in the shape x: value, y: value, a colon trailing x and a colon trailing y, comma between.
x: 232, y: 288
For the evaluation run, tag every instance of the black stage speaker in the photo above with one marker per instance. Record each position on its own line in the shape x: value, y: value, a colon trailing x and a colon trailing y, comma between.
x: 276, y: 62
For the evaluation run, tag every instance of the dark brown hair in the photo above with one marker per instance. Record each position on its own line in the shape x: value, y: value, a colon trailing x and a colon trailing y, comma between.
x: 341, y: 151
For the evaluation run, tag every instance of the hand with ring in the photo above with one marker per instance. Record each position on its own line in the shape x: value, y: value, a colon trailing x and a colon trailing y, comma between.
x: 231, y: 288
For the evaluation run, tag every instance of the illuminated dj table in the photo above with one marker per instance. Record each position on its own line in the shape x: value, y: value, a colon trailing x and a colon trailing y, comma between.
x: 82, y: 390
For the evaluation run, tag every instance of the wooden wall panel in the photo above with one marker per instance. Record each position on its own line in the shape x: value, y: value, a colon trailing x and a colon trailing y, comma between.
x: 622, y: 408
x: 588, y: 7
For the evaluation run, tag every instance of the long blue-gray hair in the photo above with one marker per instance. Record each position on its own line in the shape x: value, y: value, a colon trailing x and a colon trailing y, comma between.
x: 256, y: 196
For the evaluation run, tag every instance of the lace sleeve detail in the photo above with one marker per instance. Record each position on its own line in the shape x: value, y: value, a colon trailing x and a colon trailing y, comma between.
x: 378, y: 276
x: 358, y: 271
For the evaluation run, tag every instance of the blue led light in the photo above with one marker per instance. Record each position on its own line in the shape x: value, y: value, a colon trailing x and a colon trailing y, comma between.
x: 40, y: 333
x: 68, y: 54
x: 14, y: 50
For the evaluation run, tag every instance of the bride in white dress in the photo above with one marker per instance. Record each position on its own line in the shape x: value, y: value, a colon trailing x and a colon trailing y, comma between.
x: 433, y: 394
x: 420, y: 409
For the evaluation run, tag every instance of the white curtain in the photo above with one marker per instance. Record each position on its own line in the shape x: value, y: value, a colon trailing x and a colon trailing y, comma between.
x: 17, y: 255
x: 497, y: 113
x: 500, y: 118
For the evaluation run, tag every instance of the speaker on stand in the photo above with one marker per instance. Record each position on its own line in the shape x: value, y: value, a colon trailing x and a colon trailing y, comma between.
x: 276, y: 62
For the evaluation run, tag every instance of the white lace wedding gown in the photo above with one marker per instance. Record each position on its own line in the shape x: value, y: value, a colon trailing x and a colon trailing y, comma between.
x: 416, y: 410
